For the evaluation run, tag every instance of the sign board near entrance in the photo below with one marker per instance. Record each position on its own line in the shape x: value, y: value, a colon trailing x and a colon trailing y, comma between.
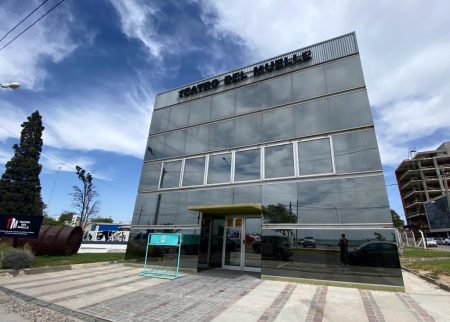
x: 165, y: 239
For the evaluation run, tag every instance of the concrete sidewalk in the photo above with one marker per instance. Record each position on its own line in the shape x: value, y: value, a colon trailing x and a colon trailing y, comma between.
x: 117, y: 293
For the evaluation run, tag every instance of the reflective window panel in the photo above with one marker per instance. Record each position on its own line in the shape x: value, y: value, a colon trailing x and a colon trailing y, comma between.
x: 353, y: 256
x: 252, y: 242
x: 160, y: 120
x: 170, y: 176
x: 314, y: 157
x: 219, y: 168
x: 356, y: 151
x: 279, y: 161
x: 200, y: 111
x: 194, y: 170
x: 280, y: 203
x: 150, y: 176
x: 247, y: 165
x: 178, y: 116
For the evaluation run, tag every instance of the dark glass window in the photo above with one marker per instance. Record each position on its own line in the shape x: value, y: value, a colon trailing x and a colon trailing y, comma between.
x: 219, y: 168
x: 279, y: 90
x: 279, y: 161
x: 344, y: 74
x: 315, y: 157
x: 252, y: 98
x: 248, y: 130
x: 247, y: 165
x: 160, y: 120
x: 197, y: 139
x: 200, y: 111
x: 221, y: 135
x: 309, y: 83
x: 175, y: 143
x: 223, y: 105
x: 278, y: 124
x: 350, y: 110
x: 312, y: 118
x: 194, y: 170
x: 280, y: 203
x: 178, y: 116
x: 155, y: 147
x: 356, y: 151
x: 150, y: 176
x: 170, y: 176
x: 144, y: 210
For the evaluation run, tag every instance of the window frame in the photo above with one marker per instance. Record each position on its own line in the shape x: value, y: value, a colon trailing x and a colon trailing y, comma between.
x: 184, y: 167
x: 333, y: 166
x: 260, y: 162
x: 292, y: 143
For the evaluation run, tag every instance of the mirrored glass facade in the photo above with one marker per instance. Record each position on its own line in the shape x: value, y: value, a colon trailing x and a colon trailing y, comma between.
x: 277, y: 172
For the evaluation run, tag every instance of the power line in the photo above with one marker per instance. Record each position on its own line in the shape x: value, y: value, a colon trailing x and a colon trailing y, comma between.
x: 17, y: 25
x: 23, y: 31
x: 48, y: 155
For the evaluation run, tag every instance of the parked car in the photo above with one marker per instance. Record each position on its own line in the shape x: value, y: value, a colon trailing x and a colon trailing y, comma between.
x: 277, y: 247
x: 431, y: 242
x: 376, y: 254
x: 309, y: 242
x: 447, y: 241
x: 440, y: 241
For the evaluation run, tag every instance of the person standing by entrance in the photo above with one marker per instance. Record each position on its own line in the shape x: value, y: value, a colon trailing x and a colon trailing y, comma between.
x: 343, y: 245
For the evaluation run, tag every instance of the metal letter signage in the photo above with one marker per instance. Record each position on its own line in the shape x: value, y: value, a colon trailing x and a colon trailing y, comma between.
x: 276, y: 64
x: 20, y: 226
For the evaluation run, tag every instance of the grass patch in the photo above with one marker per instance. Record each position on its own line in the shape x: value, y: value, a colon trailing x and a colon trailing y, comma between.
x: 436, y: 266
x: 424, y: 253
x: 46, y: 260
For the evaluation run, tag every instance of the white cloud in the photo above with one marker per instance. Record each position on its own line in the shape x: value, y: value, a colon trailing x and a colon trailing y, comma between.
x: 137, y: 21
x: 51, y: 39
x: 403, y: 52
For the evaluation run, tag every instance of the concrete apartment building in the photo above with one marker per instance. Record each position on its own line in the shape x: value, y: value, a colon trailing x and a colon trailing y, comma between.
x: 421, y: 180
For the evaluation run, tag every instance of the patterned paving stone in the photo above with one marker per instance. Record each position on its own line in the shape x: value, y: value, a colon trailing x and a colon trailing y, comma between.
x: 190, y: 298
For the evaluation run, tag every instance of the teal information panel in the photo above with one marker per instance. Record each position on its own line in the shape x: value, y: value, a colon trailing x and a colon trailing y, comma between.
x: 165, y: 239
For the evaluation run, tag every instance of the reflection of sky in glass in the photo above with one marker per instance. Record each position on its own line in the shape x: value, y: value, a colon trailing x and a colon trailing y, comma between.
x: 171, y: 174
x: 247, y: 165
x: 279, y: 161
x: 315, y: 157
x: 193, y: 171
x: 219, y: 169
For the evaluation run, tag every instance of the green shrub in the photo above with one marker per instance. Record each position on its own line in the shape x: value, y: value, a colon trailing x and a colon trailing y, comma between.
x: 16, y: 258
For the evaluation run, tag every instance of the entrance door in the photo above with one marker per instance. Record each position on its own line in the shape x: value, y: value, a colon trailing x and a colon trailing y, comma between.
x: 240, y: 243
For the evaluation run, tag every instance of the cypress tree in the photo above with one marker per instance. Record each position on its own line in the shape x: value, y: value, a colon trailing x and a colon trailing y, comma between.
x: 20, y: 187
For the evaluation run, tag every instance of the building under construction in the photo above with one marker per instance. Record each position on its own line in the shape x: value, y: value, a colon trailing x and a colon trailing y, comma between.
x: 424, y: 179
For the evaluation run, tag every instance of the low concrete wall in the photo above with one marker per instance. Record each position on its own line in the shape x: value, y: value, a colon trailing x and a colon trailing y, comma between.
x: 102, y: 248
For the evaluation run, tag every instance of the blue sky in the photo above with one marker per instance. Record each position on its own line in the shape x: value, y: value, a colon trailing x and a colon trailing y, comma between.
x: 92, y: 69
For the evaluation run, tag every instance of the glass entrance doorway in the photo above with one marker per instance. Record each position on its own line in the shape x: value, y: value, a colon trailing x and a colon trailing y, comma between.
x: 242, y: 243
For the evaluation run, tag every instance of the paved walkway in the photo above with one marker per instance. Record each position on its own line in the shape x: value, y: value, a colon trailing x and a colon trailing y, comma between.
x: 117, y: 293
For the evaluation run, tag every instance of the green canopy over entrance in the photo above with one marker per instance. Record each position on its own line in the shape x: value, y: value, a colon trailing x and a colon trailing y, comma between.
x: 230, y: 209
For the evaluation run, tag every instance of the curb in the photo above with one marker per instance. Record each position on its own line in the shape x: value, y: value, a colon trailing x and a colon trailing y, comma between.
x: 429, y: 279
x: 50, y: 269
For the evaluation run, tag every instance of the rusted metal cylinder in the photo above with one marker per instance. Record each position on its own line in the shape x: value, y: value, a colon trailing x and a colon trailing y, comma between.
x: 56, y: 240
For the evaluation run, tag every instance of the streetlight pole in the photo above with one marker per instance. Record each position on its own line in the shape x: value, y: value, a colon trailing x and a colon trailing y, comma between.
x: 10, y: 85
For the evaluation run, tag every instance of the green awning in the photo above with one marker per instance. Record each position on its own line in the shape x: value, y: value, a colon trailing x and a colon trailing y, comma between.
x: 234, y: 209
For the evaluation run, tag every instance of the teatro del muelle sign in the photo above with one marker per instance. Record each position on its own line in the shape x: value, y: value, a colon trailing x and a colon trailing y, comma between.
x: 274, y: 65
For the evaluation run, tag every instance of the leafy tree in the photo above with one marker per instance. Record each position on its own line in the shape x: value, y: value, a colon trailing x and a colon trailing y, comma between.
x: 20, y: 187
x: 102, y: 220
x: 66, y: 216
x: 85, y: 198
x: 49, y: 221
x: 396, y: 220
x: 278, y: 213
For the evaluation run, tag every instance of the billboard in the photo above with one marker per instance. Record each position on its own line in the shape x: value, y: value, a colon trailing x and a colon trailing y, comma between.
x: 20, y: 226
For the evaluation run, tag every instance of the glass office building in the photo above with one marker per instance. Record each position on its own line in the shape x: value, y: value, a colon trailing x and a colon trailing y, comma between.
x: 264, y: 168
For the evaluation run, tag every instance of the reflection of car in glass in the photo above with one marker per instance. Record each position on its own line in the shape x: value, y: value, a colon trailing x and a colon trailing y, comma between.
x: 376, y: 253
x: 431, y: 242
x: 309, y: 242
x: 250, y: 238
x: 447, y: 241
x: 273, y: 246
x: 440, y: 241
